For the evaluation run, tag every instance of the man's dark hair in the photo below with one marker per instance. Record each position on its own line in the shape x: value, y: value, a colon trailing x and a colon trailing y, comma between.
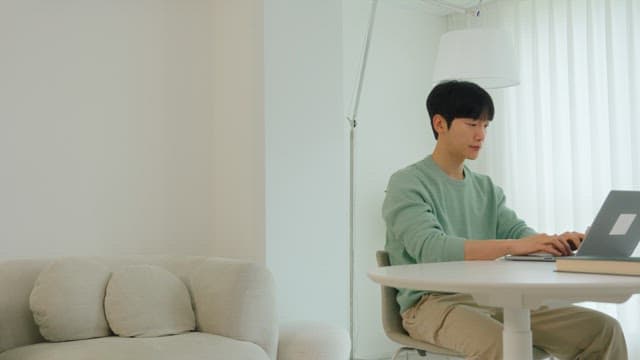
x: 459, y: 99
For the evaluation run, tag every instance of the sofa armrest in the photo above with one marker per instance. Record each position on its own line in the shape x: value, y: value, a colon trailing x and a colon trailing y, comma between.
x: 313, y: 340
x: 236, y: 299
x: 17, y: 327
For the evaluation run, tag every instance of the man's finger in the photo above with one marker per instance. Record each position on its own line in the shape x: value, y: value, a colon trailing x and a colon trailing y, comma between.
x: 565, y: 248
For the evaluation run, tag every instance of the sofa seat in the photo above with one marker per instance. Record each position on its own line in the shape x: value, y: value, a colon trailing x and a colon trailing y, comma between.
x: 189, y: 346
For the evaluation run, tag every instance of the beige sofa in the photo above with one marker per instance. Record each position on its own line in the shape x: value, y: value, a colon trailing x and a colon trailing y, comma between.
x: 233, y: 304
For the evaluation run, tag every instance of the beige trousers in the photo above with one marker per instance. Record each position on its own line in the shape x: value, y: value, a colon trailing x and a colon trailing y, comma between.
x: 456, y: 322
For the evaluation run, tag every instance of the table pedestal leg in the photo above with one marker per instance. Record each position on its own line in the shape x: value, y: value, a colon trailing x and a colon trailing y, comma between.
x: 516, y: 334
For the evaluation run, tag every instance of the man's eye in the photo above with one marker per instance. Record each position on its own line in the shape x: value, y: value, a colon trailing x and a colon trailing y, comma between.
x: 472, y: 124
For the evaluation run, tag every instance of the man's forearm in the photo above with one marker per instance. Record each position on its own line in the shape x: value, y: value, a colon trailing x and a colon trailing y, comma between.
x: 486, y: 249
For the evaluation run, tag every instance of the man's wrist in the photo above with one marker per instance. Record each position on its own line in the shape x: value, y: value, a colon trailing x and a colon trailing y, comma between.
x: 509, y: 244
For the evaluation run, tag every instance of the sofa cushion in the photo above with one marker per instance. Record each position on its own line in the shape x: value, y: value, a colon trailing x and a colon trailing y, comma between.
x: 67, y: 300
x: 147, y: 300
x: 189, y: 346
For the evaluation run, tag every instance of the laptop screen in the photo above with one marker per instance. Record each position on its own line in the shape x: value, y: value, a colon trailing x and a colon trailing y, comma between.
x: 615, y: 232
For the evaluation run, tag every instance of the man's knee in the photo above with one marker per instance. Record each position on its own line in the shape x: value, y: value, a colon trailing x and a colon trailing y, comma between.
x: 473, y: 332
x: 610, y: 343
x: 484, y: 342
x: 610, y: 327
x: 489, y: 349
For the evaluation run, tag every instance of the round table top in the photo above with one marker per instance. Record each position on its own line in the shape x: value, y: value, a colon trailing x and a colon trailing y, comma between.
x: 500, y: 275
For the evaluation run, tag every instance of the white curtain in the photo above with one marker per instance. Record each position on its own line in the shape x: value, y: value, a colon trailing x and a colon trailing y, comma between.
x: 570, y: 132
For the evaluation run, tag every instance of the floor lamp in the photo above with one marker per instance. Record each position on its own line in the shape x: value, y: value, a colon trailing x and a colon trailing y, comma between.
x: 493, y: 65
x: 353, y: 123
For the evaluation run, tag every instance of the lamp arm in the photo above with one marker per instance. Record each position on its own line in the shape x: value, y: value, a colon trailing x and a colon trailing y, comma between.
x: 442, y: 4
x: 474, y: 11
x: 363, y: 66
x: 351, y: 118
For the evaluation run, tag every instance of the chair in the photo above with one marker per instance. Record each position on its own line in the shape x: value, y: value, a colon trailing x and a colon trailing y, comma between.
x: 392, y: 324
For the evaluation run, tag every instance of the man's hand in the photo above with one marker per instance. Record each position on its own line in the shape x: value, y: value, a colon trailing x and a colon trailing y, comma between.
x: 557, y: 245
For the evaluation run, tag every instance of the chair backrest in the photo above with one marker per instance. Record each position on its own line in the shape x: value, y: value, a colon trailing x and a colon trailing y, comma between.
x: 391, y: 319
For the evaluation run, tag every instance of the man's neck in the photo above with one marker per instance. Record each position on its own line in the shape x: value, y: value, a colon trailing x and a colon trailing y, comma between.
x: 451, y: 165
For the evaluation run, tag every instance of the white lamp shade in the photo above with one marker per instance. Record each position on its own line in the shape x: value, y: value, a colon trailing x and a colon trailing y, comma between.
x: 484, y: 56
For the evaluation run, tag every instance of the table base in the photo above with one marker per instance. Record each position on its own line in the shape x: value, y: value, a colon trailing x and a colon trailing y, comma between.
x: 516, y: 334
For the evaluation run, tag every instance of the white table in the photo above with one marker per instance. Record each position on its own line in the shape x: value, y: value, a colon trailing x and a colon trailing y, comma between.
x: 515, y: 286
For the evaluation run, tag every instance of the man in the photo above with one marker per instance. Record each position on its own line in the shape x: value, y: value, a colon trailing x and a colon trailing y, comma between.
x: 439, y: 210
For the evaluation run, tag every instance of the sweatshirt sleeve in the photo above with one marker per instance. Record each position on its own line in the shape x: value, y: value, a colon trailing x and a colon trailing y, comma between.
x: 510, y: 226
x: 409, y: 215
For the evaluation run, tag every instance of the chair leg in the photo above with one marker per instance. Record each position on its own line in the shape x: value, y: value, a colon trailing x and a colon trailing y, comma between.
x: 397, y: 353
x: 401, y: 350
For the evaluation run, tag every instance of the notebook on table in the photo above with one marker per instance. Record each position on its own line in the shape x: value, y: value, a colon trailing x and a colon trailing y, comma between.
x: 615, y: 232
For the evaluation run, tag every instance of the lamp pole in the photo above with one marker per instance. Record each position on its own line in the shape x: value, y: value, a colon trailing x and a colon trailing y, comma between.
x: 353, y: 123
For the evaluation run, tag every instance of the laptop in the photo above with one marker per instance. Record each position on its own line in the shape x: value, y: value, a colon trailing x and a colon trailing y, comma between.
x: 615, y: 232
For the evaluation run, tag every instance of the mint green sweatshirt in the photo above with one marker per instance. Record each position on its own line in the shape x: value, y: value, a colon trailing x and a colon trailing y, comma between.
x: 429, y: 216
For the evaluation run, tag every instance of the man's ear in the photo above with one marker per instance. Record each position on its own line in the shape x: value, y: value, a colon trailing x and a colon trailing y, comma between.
x: 439, y: 123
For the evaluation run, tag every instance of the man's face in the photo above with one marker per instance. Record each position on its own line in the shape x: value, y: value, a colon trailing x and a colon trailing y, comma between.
x: 464, y: 138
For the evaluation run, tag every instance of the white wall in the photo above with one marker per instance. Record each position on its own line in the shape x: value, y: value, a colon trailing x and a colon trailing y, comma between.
x: 138, y: 127
x: 116, y: 136
x: 238, y: 160
x: 306, y: 160
x: 393, y: 132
